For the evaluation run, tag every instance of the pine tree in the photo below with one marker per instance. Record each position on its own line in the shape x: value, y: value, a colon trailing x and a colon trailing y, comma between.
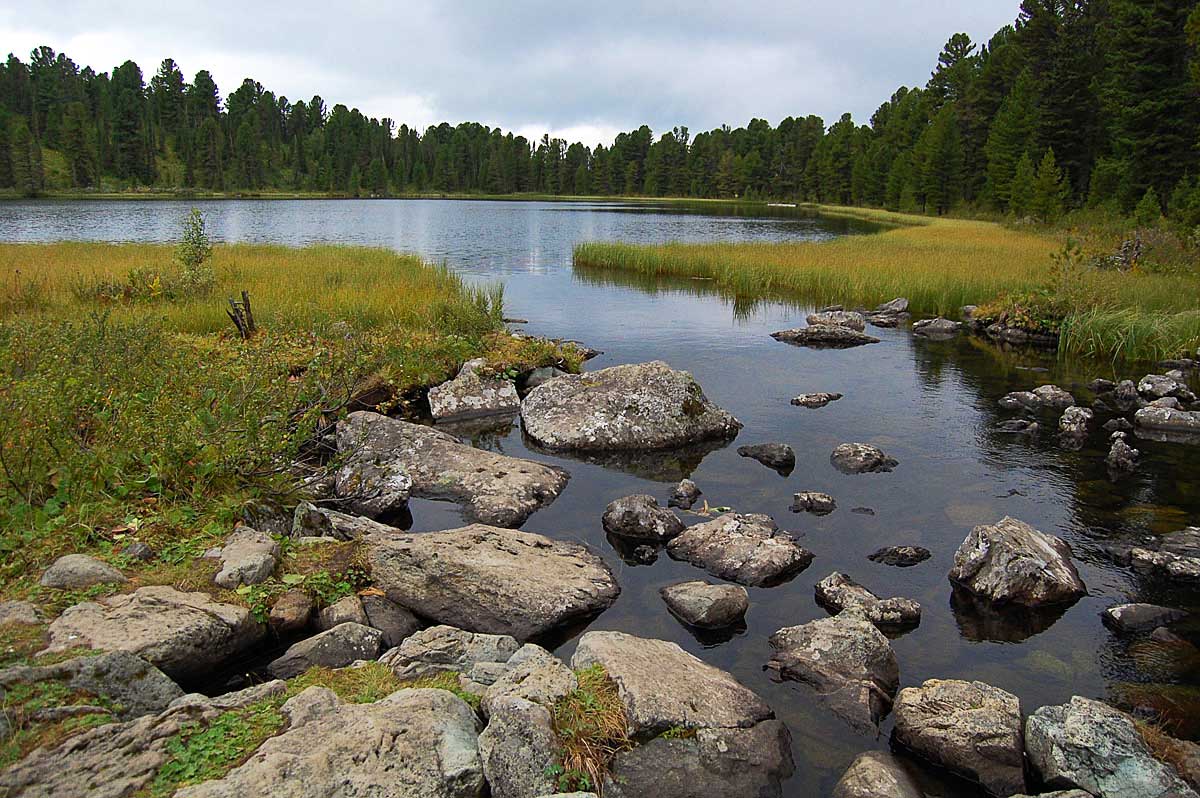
x: 1149, y: 210
x: 1020, y: 202
x: 77, y: 146
x: 6, y: 164
x: 957, y: 66
x: 26, y: 160
x: 1008, y: 140
x: 1050, y: 190
x: 941, y: 158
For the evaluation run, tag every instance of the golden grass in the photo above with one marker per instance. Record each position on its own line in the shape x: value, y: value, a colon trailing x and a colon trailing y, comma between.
x: 591, y: 725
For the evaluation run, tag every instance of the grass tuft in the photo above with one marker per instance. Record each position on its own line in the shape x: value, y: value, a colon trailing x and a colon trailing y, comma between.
x: 591, y: 725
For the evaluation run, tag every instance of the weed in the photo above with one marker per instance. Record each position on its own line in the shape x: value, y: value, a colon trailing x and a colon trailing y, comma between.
x: 362, y: 685
x: 591, y: 725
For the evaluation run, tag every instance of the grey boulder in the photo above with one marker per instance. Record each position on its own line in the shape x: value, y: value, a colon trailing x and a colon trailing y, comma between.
x: 748, y: 549
x: 812, y: 502
x: 531, y: 674
x: 877, y: 774
x: 861, y: 458
x: 1167, y: 420
x: 75, y: 571
x: 441, y: 649
x: 640, y: 518
x: 336, y: 648
x: 825, y: 336
x: 778, y: 456
x: 1076, y: 421
x: 936, y: 328
x: 897, y: 305
x: 393, y: 621
x: 129, y: 684
x: 247, y: 558
x: 706, y: 606
x: 839, y: 318
x: 518, y: 748
x: 348, y: 609
x: 473, y: 394
x: 1139, y: 617
x: 1010, y: 562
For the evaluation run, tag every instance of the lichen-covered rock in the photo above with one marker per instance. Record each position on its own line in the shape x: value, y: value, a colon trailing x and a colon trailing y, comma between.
x: 936, y: 328
x: 1020, y: 400
x: 486, y: 579
x: 75, y: 571
x: 1168, y: 420
x: 838, y: 592
x: 20, y: 613
x: 815, y: 400
x: 630, y: 407
x: 491, y: 488
x: 825, y: 336
x: 861, y: 458
x: 812, y: 502
x: 1053, y: 396
x: 684, y: 495
x: 1076, y: 421
x: 839, y: 318
x: 130, y: 685
x: 472, y: 394
x: 518, y: 748
x: 1122, y: 459
x: 1010, y: 562
x: 706, y: 606
x: 778, y: 456
x: 532, y: 674
x: 748, y: 549
x: 640, y: 518
x: 970, y: 728
x: 336, y: 648
x: 247, y: 558
x: 877, y: 774
x: 1158, y: 386
x: 441, y: 649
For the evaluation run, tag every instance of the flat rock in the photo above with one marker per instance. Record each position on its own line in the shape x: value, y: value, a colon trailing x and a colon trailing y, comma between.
x: 1168, y: 420
x: 815, y: 400
x: 472, y: 394
x: 969, y: 728
x: 518, y: 748
x: 336, y: 648
x: 861, y: 458
x: 839, y: 318
x: 640, y: 518
x: 184, y: 634
x: 838, y: 592
x: 441, y: 649
x: 631, y: 407
x: 1020, y: 400
x: 900, y: 556
x: 936, y: 328
x: 694, y: 695
x: 1089, y: 745
x: 131, y: 685
x: 1018, y: 426
x: 413, y: 744
x: 1127, y: 618
x: 1010, y: 562
x: 705, y: 605
x: 825, y: 336
x: 897, y: 305
x: 1159, y: 386
x: 812, y: 502
x: 247, y: 558
x: 778, y: 456
x: 748, y: 549
x: 684, y: 495
x: 1053, y: 396
x: 845, y: 660
x: 75, y: 571
x: 877, y: 774
x: 486, y: 579
x: 491, y: 488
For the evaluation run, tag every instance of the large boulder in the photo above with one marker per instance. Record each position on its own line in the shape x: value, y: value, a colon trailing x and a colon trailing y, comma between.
x: 839, y: 318
x: 748, y: 549
x: 825, y: 336
x: 936, y: 328
x: 1010, y: 562
x: 663, y: 687
x: 640, y: 518
x: 518, y: 749
x: 706, y: 606
x: 877, y: 774
x: 861, y: 458
x: 486, y: 579
x: 248, y: 558
x: 845, y: 660
x: 336, y: 648
x: 969, y: 728
x: 491, y: 488
x: 413, y: 744
x: 1089, y: 745
x: 1126, y: 618
x: 638, y: 406
x: 75, y: 571
x: 129, y: 684
x: 395, y: 622
x: 838, y: 592
x: 185, y: 635
x: 473, y: 394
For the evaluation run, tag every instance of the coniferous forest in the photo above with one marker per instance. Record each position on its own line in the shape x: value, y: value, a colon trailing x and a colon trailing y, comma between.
x: 1079, y: 103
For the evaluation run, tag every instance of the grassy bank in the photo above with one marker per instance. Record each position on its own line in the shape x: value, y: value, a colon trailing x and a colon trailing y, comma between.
x: 941, y: 265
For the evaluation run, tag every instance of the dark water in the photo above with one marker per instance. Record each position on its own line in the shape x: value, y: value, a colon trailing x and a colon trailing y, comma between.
x: 929, y: 404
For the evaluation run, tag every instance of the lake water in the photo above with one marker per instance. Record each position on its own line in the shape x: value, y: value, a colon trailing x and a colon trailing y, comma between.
x: 930, y: 404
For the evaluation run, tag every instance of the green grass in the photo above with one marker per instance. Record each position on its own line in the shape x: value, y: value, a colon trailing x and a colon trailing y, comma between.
x: 591, y: 725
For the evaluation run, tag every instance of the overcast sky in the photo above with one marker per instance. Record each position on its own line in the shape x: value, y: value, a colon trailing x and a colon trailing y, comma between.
x: 582, y: 71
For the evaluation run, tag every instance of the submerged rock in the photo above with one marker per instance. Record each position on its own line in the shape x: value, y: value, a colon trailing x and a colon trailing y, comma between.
x: 1010, y: 562
x: 838, y: 592
x: 877, y: 774
x: 75, y: 571
x: 486, y: 579
x: 640, y: 518
x: 335, y: 648
x: 838, y: 318
x: 815, y: 400
x: 492, y: 488
x: 472, y: 395
x: 1018, y: 426
x: 684, y: 495
x: 748, y: 549
x: 815, y: 503
x: 639, y: 406
x: 900, y: 556
x: 1139, y: 617
x: 1174, y: 556
x: 778, y: 456
x: 825, y: 336
x: 861, y: 458
x: 705, y: 605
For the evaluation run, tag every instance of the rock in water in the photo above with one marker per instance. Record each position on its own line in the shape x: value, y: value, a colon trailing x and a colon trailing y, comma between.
x: 839, y: 318
x: 778, y: 456
x: 1018, y: 426
x: 706, y: 606
x: 1168, y: 420
x: 185, y: 635
x: 640, y: 518
x: 876, y: 774
x: 815, y: 503
x: 486, y: 579
x: 1020, y: 400
x: 970, y: 728
x: 640, y: 406
x: 1139, y: 617
x: 684, y: 495
x: 838, y: 592
x: 335, y: 648
x: 847, y: 662
x: 1010, y: 562
x: 75, y: 571
x: 1090, y: 745
x: 897, y: 305
x: 861, y: 458
x: 1122, y: 459
x: 748, y: 549
x: 900, y: 556
x: 1053, y: 396
x: 825, y: 336
x: 492, y: 488
x: 936, y: 328
x: 415, y: 742
x: 814, y: 400
x: 1075, y: 421
x: 473, y: 395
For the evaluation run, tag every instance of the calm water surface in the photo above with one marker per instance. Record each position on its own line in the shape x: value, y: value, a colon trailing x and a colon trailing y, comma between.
x: 929, y: 404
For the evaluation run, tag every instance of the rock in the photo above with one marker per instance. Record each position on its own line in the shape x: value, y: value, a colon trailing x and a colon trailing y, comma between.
x: 137, y: 550
x: 439, y: 649
x: 1175, y: 556
x: 639, y: 406
x: 75, y: 571
x: 969, y: 728
x: 1053, y: 396
x: 538, y: 377
x: 748, y: 549
x: 20, y: 613
x: 640, y: 518
x: 472, y: 394
x: 815, y: 503
x: 131, y: 685
x: 412, y: 743
x: 531, y: 674
x: 1127, y: 618
x: 1121, y: 458
x: 1019, y: 336
x: 248, y: 558
x: 1125, y: 396
x: 491, y: 488
x: 838, y: 592
x: 846, y: 661
x: 518, y: 748
x: 184, y: 634
x: 884, y: 320
x: 485, y: 579
x: 334, y: 648
x: 696, y: 695
x: 1021, y: 400
x: 897, y: 305
x: 778, y: 456
x: 1100, y: 385
x: 348, y: 609
x: 814, y: 400
x: 1118, y: 425
x: 1010, y: 562
x: 1169, y: 402
x: 1018, y: 426
x: 338, y: 526
x: 392, y: 620
x: 877, y: 774
x: 1075, y: 421
x: 291, y: 612
x: 862, y: 511
x: 1158, y: 386
x: 900, y: 556
x: 825, y: 336
x: 1168, y: 420
x: 839, y: 318
x: 309, y: 521
x: 861, y: 458
x: 706, y: 606
x: 1091, y: 746
x: 684, y: 495
x: 715, y: 763
x: 936, y: 328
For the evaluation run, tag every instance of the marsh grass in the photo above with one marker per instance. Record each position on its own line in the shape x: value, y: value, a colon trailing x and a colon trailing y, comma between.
x: 591, y: 725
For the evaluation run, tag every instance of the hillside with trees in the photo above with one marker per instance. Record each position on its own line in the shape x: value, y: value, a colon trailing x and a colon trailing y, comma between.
x: 1078, y: 103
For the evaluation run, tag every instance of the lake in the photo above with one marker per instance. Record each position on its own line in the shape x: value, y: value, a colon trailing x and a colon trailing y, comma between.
x: 930, y: 404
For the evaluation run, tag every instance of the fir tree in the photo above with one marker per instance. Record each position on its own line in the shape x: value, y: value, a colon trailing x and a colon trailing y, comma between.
x: 1049, y: 190
x: 1020, y: 201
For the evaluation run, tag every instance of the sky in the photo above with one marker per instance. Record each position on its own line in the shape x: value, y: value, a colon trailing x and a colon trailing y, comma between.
x: 579, y: 71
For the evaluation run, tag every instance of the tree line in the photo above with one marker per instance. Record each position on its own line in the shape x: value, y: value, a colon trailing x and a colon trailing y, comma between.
x: 1078, y: 103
